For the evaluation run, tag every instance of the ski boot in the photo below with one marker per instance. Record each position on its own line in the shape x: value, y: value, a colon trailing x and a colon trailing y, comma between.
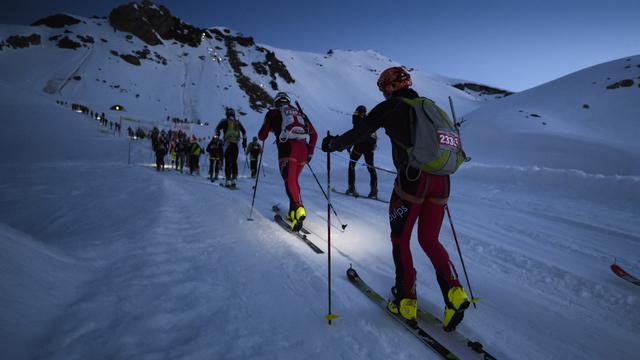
x: 407, y: 308
x: 455, y: 305
x: 297, y: 218
x: 227, y: 183
x: 232, y: 184
x: 352, y: 191
x: 373, y: 194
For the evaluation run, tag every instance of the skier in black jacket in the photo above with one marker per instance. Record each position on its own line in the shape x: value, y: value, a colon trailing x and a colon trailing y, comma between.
x: 417, y: 195
x: 366, y: 148
x: 233, y: 130
x: 253, y: 150
x: 216, y: 152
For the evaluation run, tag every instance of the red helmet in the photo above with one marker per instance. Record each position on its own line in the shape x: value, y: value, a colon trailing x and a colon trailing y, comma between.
x: 394, y: 78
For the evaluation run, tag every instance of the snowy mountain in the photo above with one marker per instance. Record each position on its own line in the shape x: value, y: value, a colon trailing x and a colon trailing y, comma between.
x: 101, y: 259
x: 588, y: 120
x: 156, y: 66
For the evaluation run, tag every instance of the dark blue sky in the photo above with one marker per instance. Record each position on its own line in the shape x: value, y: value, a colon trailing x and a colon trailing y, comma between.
x: 510, y: 44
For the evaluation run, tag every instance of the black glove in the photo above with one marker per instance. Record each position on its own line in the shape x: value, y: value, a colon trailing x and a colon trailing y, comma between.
x: 309, y: 157
x: 326, y: 143
x: 244, y: 143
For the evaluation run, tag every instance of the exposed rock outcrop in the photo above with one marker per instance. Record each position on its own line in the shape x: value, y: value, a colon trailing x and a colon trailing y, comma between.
x: 57, y: 21
x: 482, y: 89
x: 19, y: 42
x: 147, y: 21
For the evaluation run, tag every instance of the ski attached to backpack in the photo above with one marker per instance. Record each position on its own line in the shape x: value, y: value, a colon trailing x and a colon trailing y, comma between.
x: 286, y: 225
x: 624, y: 275
x: 428, y: 328
x: 333, y: 189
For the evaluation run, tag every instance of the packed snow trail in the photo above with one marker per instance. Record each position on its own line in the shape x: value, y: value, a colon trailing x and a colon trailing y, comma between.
x: 170, y: 267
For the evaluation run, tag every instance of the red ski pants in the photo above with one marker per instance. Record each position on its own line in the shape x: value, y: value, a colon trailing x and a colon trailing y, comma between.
x: 290, y: 168
x: 421, y: 197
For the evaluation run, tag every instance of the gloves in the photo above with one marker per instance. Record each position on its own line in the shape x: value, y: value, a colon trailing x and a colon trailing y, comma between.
x: 326, y: 143
x: 309, y: 157
x: 244, y: 143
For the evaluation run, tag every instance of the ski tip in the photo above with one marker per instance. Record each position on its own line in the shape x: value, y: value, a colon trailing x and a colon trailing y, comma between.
x: 352, y: 274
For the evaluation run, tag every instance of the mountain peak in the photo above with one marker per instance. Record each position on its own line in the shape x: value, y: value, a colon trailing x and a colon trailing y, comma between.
x: 153, y: 23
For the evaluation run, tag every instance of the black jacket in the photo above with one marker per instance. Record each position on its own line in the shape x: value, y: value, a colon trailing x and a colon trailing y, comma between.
x: 394, y: 116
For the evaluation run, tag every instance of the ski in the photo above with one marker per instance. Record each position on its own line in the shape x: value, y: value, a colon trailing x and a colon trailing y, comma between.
x: 476, y: 346
x: 287, y: 226
x: 283, y: 215
x: 624, y: 275
x: 413, y: 328
x: 465, y: 348
x: 333, y: 189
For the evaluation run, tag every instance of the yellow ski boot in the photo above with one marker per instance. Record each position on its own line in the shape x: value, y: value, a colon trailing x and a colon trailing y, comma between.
x: 457, y: 302
x: 298, y: 217
x: 408, y: 308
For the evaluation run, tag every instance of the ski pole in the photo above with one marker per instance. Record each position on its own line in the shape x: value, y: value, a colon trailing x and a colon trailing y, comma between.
x: 325, y: 196
x: 255, y: 187
x: 330, y: 316
x: 464, y: 268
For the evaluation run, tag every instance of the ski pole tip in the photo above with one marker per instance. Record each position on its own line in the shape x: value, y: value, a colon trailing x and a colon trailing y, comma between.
x: 330, y: 317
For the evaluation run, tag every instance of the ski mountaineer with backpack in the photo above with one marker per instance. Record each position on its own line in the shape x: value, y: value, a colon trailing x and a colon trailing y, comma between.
x: 253, y: 150
x: 232, y: 129
x: 215, y: 151
x: 366, y: 148
x: 291, y: 128
x: 195, y: 150
x: 426, y: 149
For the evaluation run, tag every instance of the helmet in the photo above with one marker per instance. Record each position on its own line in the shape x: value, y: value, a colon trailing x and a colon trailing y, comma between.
x: 281, y: 98
x: 392, y: 79
x: 255, y: 138
x: 229, y: 112
x: 361, y: 109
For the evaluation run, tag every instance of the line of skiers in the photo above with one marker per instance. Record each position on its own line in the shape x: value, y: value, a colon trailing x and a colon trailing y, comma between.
x: 100, y: 117
x: 185, y: 150
x: 426, y: 149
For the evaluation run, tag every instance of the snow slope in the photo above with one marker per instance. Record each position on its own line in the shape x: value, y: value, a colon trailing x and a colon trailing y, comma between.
x: 118, y: 261
x: 574, y: 122
x: 100, y: 259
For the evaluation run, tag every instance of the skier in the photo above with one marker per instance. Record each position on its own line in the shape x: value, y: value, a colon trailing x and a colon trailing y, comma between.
x: 418, y: 193
x: 253, y: 150
x: 195, y: 150
x: 216, y: 152
x: 161, y: 151
x: 182, y: 150
x: 232, y: 129
x: 173, y: 152
x: 366, y: 148
x: 291, y: 128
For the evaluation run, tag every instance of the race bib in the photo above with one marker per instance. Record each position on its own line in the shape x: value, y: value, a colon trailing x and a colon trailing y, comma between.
x: 449, y: 140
